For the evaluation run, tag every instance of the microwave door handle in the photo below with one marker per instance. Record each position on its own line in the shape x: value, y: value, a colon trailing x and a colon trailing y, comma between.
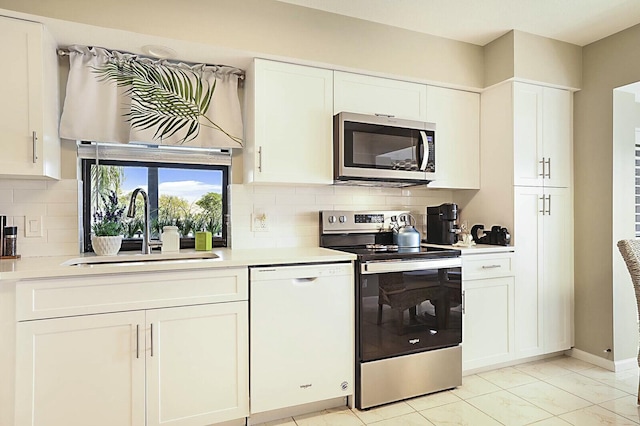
x: 425, y: 147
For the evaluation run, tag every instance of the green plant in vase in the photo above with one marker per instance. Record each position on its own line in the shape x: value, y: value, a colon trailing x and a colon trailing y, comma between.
x: 107, y: 226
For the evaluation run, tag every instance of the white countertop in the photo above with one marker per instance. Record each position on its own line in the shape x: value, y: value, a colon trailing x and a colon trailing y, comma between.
x: 51, y: 266
x: 477, y: 249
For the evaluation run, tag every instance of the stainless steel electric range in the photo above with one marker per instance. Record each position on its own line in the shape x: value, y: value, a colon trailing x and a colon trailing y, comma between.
x: 408, y: 308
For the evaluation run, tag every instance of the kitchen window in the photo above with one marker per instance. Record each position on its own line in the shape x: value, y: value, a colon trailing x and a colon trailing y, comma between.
x: 186, y: 188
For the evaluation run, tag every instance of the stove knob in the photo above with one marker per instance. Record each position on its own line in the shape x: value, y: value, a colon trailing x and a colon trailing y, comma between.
x: 332, y: 219
x: 342, y: 219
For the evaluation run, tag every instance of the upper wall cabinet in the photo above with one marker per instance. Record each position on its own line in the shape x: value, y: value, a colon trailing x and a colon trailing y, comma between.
x: 289, y: 125
x: 542, y: 136
x: 29, y: 110
x: 456, y: 114
x: 373, y: 95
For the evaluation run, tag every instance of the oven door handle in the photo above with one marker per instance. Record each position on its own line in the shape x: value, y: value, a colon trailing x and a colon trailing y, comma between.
x: 408, y: 265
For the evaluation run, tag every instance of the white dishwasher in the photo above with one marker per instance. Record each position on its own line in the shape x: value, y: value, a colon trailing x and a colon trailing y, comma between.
x: 301, y: 334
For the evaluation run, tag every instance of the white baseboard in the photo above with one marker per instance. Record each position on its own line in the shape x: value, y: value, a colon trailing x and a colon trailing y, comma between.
x: 608, y: 364
x: 626, y: 364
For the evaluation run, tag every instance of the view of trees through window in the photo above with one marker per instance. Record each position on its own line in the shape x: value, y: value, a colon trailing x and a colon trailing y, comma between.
x: 189, y: 197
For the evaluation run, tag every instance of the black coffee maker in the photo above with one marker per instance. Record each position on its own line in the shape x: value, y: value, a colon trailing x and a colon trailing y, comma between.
x: 441, y: 224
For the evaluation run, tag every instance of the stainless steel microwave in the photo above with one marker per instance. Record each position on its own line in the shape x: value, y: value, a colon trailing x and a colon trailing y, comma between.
x: 383, y: 150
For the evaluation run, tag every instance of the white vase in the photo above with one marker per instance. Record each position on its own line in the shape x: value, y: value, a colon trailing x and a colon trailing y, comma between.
x: 106, y: 246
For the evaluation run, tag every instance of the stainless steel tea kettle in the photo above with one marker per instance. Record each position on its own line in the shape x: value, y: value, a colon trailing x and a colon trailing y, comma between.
x: 406, y: 235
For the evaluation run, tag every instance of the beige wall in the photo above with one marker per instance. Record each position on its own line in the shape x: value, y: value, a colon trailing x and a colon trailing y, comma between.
x: 607, y: 64
x: 529, y: 57
x: 279, y: 29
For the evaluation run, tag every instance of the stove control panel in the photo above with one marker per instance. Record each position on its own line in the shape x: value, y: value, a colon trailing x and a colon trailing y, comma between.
x: 341, y: 221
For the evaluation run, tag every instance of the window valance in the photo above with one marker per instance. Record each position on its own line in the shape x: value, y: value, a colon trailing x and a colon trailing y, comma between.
x: 120, y: 97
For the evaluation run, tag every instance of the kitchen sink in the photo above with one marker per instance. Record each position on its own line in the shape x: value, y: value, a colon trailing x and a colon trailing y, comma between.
x: 138, y: 258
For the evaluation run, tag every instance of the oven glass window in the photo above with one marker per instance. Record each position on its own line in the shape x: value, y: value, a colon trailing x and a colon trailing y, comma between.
x: 406, y: 312
x: 381, y: 147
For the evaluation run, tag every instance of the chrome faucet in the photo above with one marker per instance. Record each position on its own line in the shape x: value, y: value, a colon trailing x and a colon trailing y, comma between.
x: 147, y: 244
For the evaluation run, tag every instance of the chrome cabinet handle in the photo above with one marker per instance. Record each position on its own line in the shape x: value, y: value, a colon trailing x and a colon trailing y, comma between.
x: 464, y: 305
x: 544, y: 205
x: 543, y: 163
x: 549, y: 168
x: 34, y: 138
x: 491, y: 266
x: 151, y: 339
x: 260, y: 159
x: 137, y: 340
x: 549, y: 205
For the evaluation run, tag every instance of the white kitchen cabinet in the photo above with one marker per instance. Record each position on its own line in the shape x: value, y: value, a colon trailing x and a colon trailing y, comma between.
x: 366, y: 94
x: 29, y: 111
x: 457, y: 117
x: 81, y: 370
x: 289, y: 124
x: 488, y: 328
x: 302, y: 335
x: 544, y: 290
x: 197, y: 364
x: 542, y: 136
x: 172, y: 365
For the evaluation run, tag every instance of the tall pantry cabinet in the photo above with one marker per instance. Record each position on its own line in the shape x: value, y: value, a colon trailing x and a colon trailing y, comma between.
x: 526, y: 132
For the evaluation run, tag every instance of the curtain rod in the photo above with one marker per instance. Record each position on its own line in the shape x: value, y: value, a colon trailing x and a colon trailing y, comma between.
x: 240, y: 72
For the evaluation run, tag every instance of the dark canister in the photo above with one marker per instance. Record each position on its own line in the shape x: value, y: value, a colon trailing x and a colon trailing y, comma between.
x: 10, y: 241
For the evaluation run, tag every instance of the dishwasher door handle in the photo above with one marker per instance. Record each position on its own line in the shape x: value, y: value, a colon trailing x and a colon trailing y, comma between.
x: 304, y: 280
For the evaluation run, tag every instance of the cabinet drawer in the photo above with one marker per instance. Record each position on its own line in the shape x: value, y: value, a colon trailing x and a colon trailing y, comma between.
x: 59, y: 297
x: 487, y: 266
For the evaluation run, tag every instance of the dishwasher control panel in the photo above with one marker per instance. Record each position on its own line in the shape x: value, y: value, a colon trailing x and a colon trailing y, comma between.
x: 263, y: 273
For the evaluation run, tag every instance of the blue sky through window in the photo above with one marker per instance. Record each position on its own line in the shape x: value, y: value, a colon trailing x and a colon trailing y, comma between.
x: 190, y: 184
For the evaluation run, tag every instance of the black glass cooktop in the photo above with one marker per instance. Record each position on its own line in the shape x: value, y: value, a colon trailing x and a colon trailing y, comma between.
x: 379, y: 253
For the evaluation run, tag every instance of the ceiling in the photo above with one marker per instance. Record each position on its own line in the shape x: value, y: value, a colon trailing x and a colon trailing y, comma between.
x: 579, y: 22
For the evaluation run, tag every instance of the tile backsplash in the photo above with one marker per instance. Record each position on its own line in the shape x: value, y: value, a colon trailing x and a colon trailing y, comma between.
x: 56, y: 202
x: 292, y: 211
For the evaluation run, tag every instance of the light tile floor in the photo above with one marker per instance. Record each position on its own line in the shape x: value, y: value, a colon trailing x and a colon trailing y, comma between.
x: 555, y: 391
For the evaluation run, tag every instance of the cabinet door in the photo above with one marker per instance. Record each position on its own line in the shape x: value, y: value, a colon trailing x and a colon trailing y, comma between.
x: 488, y: 322
x: 197, y: 364
x: 293, y: 124
x: 527, y: 134
x: 557, y: 271
x: 374, y: 95
x: 528, y: 238
x: 457, y: 117
x: 81, y: 371
x: 556, y: 136
x: 29, y: 113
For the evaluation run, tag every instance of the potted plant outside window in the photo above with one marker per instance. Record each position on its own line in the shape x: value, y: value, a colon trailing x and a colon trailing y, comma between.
x: 107, y: 227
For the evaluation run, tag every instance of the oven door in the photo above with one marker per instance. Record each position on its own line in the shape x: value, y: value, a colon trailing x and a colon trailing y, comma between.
x: 408, y: 306
x: 383, y: 148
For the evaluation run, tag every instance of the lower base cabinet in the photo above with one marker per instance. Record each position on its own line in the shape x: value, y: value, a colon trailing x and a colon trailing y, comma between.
x: 177, y: 366
x: 488, y: 321
x: 80, y: 371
